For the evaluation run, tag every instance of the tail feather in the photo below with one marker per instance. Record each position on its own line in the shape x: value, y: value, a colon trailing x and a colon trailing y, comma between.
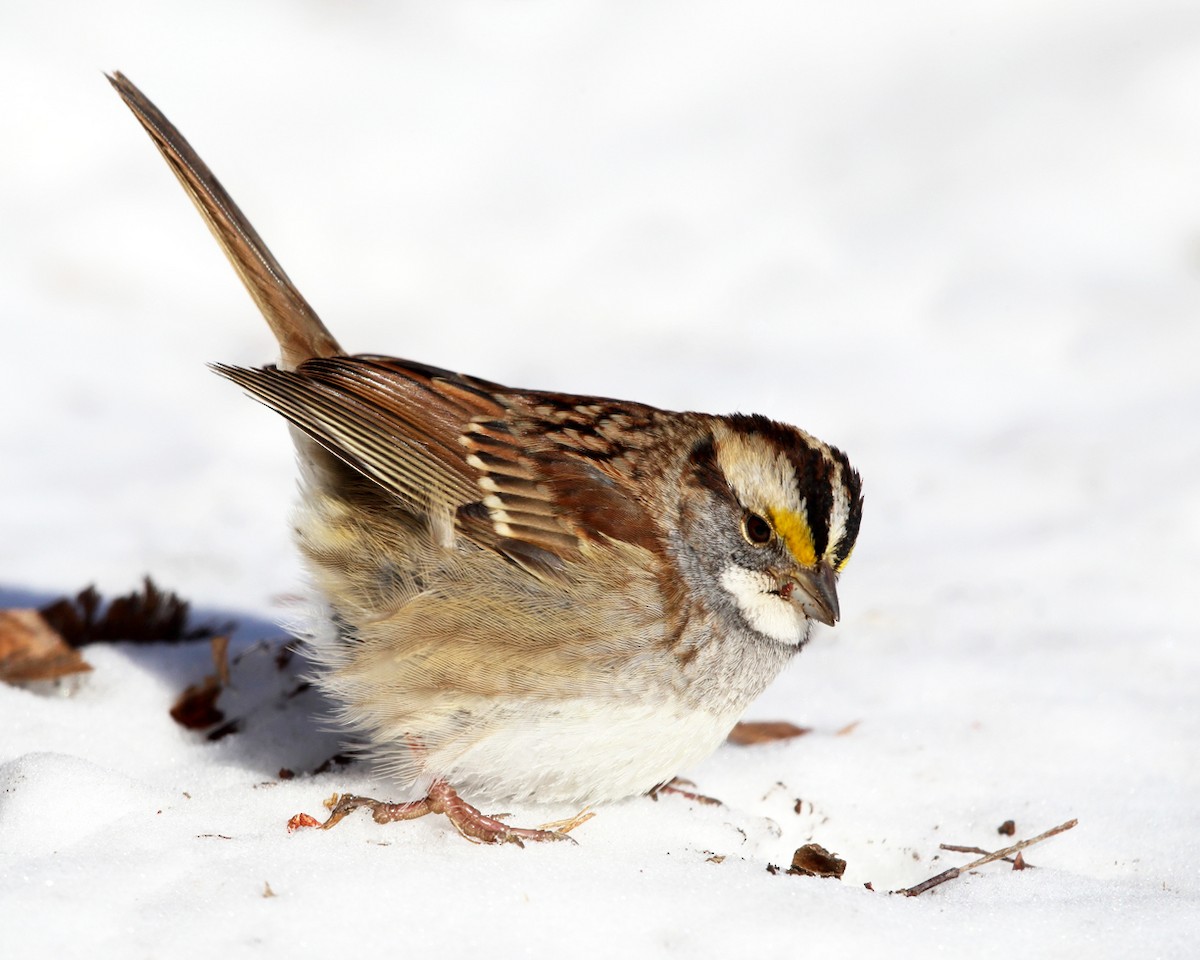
x: 300, y: 332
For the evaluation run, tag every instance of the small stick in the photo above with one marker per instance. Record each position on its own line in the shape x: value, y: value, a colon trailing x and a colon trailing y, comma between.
x: 955, y: 848
x: 677, y: 785
x: 953, y: 872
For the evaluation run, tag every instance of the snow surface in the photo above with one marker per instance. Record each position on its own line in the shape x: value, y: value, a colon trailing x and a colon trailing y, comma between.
x: 961, y: 241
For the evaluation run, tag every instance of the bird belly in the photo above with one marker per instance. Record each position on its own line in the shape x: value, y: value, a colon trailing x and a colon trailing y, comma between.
x: 585, y: 750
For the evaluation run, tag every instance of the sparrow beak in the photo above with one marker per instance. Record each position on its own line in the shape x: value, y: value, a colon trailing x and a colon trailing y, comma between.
x: 815, y: 592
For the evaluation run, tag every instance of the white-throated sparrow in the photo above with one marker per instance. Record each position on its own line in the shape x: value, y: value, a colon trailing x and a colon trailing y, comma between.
x: 534, y: 596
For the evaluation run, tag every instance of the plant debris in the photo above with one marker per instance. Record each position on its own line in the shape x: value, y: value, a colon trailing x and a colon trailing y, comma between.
x: 32, y: 650
x: 813, y: 860
x: 302, y: 821
x: 1007, y: 829
x: 38, y: 645
x: 955, y: 848
x: 337, y: 760
x: 149, y: 615
x: 244, y: 691
x: 751, y: 732
x: 678, y: 787
x: 954, y: 872
x: 196, y: 707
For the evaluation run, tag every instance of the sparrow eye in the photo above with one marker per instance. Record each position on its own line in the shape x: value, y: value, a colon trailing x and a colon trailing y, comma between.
x: 756, y: 530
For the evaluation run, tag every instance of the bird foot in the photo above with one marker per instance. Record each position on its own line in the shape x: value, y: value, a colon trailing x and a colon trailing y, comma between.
x: 442, y: 799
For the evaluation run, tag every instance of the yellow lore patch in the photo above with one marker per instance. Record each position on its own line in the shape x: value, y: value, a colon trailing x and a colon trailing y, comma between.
x: 793, y: 529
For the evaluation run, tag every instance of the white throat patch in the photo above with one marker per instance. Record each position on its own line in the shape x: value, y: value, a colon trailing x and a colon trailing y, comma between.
x: 765, y: 611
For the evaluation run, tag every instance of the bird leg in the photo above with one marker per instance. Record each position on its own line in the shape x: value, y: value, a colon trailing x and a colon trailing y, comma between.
x: 442, y: 798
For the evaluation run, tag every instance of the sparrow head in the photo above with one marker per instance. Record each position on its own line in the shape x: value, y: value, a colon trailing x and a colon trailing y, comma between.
x: 782, y: 514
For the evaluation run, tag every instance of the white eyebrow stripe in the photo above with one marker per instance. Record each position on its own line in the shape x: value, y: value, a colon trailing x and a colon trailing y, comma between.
x: 839, y: 513
x: 762, y: 479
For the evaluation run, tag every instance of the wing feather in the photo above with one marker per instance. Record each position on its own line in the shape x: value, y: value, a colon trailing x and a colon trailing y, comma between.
x: 530, y: 475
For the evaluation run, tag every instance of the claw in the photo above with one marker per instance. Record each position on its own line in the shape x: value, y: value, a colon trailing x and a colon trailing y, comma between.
x: 470, y: 823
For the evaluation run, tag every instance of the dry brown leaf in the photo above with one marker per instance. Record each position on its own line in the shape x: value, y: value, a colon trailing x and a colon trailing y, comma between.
x: 196, y: 707
x: 31, y: 650
x: 813, y: 860
x: 751, y: 732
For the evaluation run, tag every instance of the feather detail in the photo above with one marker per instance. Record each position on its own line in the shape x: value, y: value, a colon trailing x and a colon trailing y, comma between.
x: 529, y: 475
x: 296, y: 326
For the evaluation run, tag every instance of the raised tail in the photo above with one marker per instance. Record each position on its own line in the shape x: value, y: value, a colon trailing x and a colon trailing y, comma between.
x: 296, y: 326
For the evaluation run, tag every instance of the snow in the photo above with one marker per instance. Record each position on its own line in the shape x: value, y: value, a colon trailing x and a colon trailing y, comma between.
x: 961, y: 241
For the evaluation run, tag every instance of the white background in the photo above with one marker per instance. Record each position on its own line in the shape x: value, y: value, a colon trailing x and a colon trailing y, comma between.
x: 961, y: 241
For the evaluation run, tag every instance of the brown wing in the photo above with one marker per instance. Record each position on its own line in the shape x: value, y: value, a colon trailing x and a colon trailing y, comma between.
x: 531, y: 475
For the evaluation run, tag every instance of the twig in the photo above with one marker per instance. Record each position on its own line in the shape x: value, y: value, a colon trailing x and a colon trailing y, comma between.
x: 953, y: 872
x: 955, y: 848
x: 677, y: 785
